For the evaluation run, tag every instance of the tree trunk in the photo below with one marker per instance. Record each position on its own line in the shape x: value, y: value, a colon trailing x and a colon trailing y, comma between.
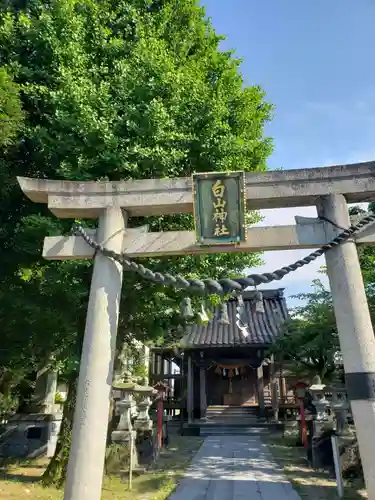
x: 56, y: 471
x: 113, y: 421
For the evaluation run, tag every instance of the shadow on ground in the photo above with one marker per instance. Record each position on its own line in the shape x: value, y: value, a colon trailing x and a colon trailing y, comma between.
x: 310, y: 483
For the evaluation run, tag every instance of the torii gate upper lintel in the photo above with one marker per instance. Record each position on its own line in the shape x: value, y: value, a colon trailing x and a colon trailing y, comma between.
x: 264, y: 190
x: 329, y: 189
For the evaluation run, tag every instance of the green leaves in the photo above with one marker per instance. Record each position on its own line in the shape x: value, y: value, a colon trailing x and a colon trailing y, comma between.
x: 310, y: 339
x: 131, y: 89
x: 11, y: 114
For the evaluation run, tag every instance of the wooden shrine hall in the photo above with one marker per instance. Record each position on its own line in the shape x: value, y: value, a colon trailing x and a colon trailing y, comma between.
x: 227, y: 364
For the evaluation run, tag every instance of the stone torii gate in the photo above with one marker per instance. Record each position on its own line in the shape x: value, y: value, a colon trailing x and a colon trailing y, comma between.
x: 329, y: 189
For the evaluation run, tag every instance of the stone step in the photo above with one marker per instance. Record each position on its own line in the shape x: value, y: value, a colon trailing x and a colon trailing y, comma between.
x: 234, y: 431
x: 209, y: 423
x: 232, y: 409
x: 243, y: 409
x: 231, y: 421
x: 222, y: 407
x: 232, y: 413
x: 239, y: 415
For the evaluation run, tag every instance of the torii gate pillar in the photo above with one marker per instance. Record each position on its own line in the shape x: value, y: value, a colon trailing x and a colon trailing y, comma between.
x: 89, y: 437
x: 355, y: 330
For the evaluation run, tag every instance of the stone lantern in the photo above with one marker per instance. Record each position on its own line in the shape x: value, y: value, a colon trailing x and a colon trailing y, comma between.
x: 125, y: 405
x: 123, y: 393
x: 321, y: 403
x: 143, y: 421
x: 319, y: 400
x: 340, y: 406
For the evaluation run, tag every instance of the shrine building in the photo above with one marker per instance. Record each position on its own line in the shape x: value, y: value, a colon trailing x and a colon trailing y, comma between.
x: 228, y: 365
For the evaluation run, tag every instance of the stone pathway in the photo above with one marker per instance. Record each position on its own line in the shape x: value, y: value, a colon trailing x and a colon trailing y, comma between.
x: 234, y: 468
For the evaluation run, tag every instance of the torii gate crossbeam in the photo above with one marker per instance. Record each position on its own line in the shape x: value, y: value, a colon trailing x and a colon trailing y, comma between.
x: 327, y: 188
x: 278, y: 189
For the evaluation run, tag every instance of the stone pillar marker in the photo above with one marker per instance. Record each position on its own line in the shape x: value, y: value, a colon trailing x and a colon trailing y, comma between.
x: 356, y: 333
x: 87, y: 453
x: 43, y: 400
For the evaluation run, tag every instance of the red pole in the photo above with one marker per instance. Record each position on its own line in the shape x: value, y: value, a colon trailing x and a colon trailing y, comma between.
x: 160, y: 421
x: 303, y: 423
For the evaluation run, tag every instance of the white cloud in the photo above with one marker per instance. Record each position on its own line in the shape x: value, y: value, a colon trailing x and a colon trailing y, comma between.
x: 360, y: 156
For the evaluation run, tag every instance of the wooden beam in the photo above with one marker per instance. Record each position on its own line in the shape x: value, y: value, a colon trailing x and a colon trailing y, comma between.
x: 190, y: 390
x: 260, y: 388
x: 75, y: 247
x: 202, y: 391
x: 139, y: 243
x: 275, y: 189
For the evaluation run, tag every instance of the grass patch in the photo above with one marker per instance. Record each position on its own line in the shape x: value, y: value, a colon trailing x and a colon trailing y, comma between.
x: 21, y: 480
x: 309, y: 483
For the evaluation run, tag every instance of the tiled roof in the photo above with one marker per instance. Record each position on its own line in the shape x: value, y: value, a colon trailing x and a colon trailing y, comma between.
x: 262, y: 328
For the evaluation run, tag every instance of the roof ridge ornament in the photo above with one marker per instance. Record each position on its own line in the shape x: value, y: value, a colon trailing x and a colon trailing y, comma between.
x: 242, y: 321
x: 204, y: 314
x: 259, y: 304
x: 186, y: 308
x: 223, y: 318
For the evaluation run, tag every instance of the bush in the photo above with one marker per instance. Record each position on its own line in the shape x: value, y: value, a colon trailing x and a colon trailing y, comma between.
x: 8, y: 405
x: 351, y: 462
x: 59, y: 399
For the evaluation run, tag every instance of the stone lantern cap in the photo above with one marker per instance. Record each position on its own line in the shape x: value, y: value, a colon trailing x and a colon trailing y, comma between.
x: 318, y: 392
x: 119, y: 389
x: 317, y: 387
x: 336, y: 389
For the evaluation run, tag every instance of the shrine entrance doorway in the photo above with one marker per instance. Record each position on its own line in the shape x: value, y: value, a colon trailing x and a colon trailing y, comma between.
x: 232, y: 386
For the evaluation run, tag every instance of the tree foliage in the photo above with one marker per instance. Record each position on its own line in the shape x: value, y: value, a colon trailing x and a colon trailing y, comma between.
x: 11, y: 114
x: 125, y: 89
x: 310, y: 339
x: 117, y: 90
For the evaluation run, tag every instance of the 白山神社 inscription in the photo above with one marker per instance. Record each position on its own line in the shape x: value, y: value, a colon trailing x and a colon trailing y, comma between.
x: 219, y: 208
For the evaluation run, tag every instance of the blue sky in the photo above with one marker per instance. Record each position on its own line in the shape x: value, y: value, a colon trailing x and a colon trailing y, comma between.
x: 314, y: 58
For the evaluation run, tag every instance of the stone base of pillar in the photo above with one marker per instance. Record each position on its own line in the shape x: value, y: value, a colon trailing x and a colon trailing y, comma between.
x: 121, y: 437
